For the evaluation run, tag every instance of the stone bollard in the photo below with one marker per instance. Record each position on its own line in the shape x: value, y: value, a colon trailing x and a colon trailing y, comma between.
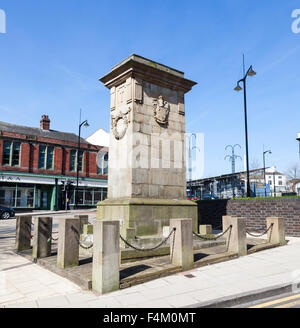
x: 237, y: 238
x: 42, y: 237
x: 68, y: 242
x: 205, y: 229
x: 23, y: 232
x: 276, y: 234
x: 83, y: 219
x: 106, y: 256
x: 182, y: 254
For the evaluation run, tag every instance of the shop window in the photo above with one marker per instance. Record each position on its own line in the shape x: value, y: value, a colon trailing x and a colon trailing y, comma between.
x: 88, y: 199
x: 97, y: 196
x: 73, y: 160
x: 46, y: 157
x: 44, y: 200
x: 11, y: 153
x: 102, y: 165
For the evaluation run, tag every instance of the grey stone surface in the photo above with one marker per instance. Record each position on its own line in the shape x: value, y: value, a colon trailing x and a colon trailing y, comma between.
x: 276, y: 234
x: 68, y: 242
x: 237, y: 237
x: 23, y: 232
x: 106, y: 256
x: 42, y: 237
x: 182, y: 253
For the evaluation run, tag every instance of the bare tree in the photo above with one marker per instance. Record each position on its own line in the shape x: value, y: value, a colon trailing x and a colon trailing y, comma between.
x: 293, y: 172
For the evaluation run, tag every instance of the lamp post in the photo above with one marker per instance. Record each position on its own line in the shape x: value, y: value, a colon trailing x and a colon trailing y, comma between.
x: 232, y: 158
x: 250, y: 72
x: 85, y: 124
x: 190, y: 136
x: 264, y: 161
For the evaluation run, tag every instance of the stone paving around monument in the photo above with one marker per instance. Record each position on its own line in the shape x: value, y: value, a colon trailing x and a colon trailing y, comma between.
x: 24, y: 284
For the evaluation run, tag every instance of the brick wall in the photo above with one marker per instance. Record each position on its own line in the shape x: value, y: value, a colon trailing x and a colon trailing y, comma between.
x: 255, y: 210
x: 61, y: 166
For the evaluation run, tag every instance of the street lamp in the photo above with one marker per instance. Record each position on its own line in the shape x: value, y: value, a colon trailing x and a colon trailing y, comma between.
x: 190, y: 136
x: 250, y: 72
x: 264, y: 161
x: 85, y: 124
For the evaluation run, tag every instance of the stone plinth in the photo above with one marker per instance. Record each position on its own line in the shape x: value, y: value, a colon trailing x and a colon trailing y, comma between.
x: 23, y: 232
x: 68, y: 242
x: 236, y: 239
x: 276, y: 234
x: 182, y: 254
x: 146, y: 216
x: 106, y: 256
x: 42, y: 237
x: 146, y: 167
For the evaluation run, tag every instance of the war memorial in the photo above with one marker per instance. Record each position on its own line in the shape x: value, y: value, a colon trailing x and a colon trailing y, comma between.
x: 146, y: 228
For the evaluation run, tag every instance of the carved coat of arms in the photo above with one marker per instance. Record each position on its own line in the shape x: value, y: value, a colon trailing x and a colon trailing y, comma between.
x: 119, y: 122
x: 161, y: 110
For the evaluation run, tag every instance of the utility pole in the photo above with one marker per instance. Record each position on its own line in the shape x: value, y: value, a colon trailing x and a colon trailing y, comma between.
x: 232, y: 158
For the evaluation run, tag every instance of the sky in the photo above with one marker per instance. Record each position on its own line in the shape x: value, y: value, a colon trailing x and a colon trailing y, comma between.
x: 54, y: 52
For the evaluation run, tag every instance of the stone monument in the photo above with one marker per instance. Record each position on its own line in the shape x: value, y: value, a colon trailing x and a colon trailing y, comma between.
x: 146, y: 166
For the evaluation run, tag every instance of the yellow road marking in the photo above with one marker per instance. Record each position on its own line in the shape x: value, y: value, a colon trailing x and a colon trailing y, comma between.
x: 276, y: 301
x: 287, y: 305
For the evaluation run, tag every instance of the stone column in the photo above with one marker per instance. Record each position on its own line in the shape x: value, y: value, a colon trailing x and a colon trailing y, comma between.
x: 106, y: 256
x: 68, y: 242
x: 205, y: 229
x: 237, y: 238
x: 42, y: 237
x: 182, y: 254
x: 23, y: 232
x: 276, y: 234
x: 83, y: 219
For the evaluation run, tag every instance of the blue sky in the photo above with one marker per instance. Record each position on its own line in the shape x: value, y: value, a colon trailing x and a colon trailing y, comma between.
x: 54, y: 52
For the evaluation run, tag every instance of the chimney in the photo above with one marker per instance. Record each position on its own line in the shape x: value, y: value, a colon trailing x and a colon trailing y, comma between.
x: 45, y: 122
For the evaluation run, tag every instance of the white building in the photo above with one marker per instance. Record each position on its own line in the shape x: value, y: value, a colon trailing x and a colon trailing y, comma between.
x: 277, y: 179
x: 99, y: 138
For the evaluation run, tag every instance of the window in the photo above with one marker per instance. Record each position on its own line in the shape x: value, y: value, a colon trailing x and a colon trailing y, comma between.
x: 270, y: 183
x: 46, y: 157
x: 279, y: 177
x: 11, y: 153
x: 102, y: 163
x: 280, y: 183
x: 73, y: 160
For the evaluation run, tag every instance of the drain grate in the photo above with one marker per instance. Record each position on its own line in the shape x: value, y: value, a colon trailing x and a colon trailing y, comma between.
x: 189, y: 275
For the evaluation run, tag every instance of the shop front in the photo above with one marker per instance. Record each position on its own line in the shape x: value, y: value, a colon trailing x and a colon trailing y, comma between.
x: 36, y: 192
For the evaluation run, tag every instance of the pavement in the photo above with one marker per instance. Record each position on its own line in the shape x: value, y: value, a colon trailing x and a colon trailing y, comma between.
x: 259, y: 275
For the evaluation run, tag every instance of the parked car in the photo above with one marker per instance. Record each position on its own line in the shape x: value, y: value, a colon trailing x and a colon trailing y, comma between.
x: 210, y: 196
x: 6, y: 212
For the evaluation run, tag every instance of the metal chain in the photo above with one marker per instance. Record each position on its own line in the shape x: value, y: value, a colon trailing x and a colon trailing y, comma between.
x: 173, y: 245
x: 212, y: 238
x: 261, y: 234
x: 152, y: 248
x: 228, y: 240
x: 78, y: 240
x: 51, y: 238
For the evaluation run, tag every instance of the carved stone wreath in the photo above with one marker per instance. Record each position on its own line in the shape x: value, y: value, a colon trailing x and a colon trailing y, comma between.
x: 161, y: 110
x: 119, y: 123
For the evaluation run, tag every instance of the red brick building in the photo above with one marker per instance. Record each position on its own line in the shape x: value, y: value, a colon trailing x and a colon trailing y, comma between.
x: 35, y: 162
